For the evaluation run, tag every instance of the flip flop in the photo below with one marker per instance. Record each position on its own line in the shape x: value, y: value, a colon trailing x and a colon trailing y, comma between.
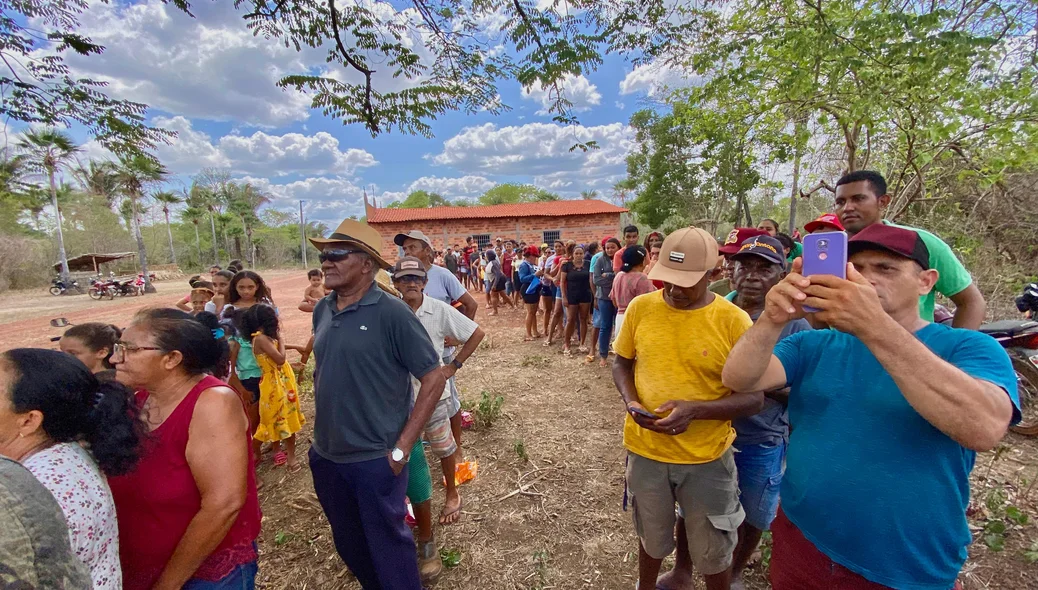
x: 280, y: 458
x: 295, y: 468
x: 444, y: 515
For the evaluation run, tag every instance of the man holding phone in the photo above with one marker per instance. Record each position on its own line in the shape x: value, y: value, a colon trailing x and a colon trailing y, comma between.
x: 678, y: 432
x: 861, y: 197
x: 889, y: 410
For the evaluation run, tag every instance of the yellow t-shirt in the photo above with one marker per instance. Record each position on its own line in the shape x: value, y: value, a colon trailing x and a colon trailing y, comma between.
x: 679, y: 356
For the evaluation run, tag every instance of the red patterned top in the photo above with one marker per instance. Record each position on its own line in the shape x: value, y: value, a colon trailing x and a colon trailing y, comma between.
x: 156, y: 502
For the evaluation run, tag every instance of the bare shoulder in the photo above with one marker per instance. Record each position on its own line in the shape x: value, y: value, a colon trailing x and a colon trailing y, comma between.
x: 216, y: 404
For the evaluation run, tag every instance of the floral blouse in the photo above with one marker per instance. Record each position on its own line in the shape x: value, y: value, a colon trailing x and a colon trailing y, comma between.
x: 75, y: 481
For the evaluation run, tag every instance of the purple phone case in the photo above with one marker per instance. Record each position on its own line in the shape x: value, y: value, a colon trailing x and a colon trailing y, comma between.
x: 827, y: 259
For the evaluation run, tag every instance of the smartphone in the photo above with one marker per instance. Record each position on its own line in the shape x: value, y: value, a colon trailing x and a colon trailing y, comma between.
x: 645, y: 413
x: 825, y: 254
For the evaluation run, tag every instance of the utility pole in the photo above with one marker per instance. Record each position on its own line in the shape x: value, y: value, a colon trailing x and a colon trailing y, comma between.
x: 302, y: 231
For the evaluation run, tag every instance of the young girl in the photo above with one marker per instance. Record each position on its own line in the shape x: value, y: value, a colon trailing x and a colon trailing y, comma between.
x: 185, y: 302
x: 92, y: 344
x: 279, y: 415
x: 247, y: 289
x: 201, y: 296
x: 222, y: 285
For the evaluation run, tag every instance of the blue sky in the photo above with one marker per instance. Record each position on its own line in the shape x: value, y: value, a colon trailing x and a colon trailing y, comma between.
x: 212, y: 81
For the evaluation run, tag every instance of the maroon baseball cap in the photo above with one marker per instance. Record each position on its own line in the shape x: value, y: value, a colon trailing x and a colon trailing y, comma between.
x: 737, y: 237
x: 889, y: 238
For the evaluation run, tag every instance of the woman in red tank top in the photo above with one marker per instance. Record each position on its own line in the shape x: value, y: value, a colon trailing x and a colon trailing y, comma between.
x: 188, y: 514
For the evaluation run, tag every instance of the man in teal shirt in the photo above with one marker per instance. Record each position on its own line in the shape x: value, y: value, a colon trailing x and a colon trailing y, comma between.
x: 861, y: 198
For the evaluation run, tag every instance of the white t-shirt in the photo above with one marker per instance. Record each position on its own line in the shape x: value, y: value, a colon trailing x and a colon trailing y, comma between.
x: 440, y: 321
x: 73, y: 478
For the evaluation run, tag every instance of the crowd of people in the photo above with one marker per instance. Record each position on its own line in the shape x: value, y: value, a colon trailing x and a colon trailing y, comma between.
x: 744, y: 412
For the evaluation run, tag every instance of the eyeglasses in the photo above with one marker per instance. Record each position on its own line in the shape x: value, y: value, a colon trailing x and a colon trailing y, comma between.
x: 121, y: 348
x: 335, y: 255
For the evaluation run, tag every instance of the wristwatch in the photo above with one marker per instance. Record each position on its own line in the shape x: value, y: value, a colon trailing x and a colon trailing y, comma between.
x: 398, y: 456
x: 457, y: 364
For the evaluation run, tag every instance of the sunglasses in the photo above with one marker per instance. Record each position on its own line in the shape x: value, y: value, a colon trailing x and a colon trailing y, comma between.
x: 336, y: 255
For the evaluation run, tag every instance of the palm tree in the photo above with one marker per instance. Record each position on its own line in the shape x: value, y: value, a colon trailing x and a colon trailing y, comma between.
x: 588, y: 195
x: 194, y: 215
x: 166, y: 198
x: 46, y: 151
x: 203, y: 198
x: 99, y: 178
x: 13, y: 169
x: 244, y: 201
x: 35, y: 199
x: 135, y: 173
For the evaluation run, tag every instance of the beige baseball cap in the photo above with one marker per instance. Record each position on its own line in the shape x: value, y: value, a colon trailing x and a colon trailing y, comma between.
x: 687, y: 255
x: 415, y: 234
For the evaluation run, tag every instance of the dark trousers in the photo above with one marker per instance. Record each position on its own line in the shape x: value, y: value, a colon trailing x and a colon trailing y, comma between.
x: 607, y: 315
x: 364, y: 503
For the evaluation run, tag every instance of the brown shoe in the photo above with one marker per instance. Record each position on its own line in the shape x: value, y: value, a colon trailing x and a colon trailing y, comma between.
x: 429, y: 564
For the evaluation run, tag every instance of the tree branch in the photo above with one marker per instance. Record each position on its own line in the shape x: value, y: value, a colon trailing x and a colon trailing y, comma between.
x: 369, y: 111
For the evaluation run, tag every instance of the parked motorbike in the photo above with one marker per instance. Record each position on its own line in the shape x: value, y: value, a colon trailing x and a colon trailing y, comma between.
x: 101, y: 289
x: 58, y: 287
x: 1020, y: 339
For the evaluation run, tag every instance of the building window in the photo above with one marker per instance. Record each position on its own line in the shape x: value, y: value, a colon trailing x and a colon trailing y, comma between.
x: 551, y: 235
x: 482, y: 240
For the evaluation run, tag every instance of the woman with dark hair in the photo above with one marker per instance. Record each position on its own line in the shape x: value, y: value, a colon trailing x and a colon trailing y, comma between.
x: 235, y: 266
x: 576, y: 290
x: 527, y: 270
x: 602, y: 276
x: 92, y: 344
x: 769, y: 225
x: 71, y: 430
x: 247, y: 289
x: 630, y: 282
x: 653, y: 239
x: 188, y: 514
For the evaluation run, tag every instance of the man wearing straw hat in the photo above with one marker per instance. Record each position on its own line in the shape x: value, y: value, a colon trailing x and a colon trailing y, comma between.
x: 367, y: 344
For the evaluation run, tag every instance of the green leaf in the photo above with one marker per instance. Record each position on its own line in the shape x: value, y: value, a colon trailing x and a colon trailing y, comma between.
x: 1016, y: 515
x: 450, y: 557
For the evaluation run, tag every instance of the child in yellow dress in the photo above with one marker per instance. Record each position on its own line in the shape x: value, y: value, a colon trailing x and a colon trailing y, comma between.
x: 279, y: 415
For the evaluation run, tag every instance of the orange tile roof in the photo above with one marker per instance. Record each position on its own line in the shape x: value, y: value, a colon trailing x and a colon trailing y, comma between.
x: 539, y: 209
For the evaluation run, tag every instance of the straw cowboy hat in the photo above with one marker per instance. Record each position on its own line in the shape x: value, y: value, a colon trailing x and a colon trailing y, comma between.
x: 357, y: 234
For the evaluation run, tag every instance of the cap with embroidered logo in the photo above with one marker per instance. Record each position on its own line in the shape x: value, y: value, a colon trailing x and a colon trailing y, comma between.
x: 408, y: 266
x: 737, y: 237
x: 686, y: 256
x: 764, y: 246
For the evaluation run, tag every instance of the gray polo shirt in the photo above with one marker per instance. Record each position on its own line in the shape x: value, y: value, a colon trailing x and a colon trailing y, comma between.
x: 365, y: 357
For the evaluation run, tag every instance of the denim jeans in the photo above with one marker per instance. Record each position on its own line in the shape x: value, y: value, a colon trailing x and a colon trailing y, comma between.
x: 242, y: 578
x: 607, y: 316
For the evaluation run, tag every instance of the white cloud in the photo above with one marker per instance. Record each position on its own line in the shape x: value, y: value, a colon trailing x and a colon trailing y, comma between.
x: 327, y: 199
x: 465, y: 186
x: 208, y: 67
x: 654, y: 79
x: 259, y: 153
x: 577, y: 89
x: 541, y: 150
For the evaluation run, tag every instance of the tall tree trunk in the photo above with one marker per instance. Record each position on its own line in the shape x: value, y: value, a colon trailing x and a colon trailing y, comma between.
x: 169, y: 232
x: 795, y: 191
x: 142, y: 254
x: 746, y: 208
x: 62, y: 256
x: 198, y: 242
x: 212, y: 225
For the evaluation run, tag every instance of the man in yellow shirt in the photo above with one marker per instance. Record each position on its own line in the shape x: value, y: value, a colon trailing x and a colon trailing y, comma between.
x: 678, y: 431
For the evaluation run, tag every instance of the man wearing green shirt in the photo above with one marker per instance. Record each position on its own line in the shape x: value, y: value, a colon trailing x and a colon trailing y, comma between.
x: 861, y: 198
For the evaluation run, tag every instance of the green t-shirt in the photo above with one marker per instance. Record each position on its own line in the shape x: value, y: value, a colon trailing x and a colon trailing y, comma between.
x: 798, y: 250
x: 954, y: 277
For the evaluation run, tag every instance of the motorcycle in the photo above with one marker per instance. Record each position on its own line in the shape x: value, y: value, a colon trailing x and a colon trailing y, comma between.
x: 1020, y: 339
x: 58, y: 287
x: 101, y: 289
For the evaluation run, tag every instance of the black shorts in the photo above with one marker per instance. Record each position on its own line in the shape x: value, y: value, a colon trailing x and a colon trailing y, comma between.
x: 530, y: 298
x: 548, y: 291
x: 578, y: 297
x: 252, y: 386
x: 499, y: 285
